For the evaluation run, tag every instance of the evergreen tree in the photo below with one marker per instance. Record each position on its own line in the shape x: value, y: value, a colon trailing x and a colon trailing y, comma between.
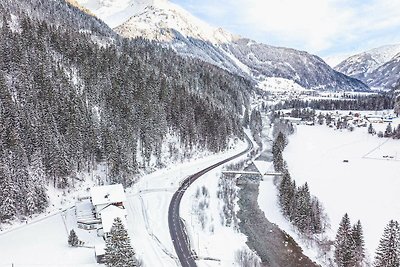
x: 246, y: 119
x: 371, y: 129
x: 277, y: 149
x: 344, y: 244
x: 320, y: 119
x: 302, y: 218
x: 73, y: 239
x: 286, y: 194
x: 119, y: 252
x: 396, y: 135
x: 8, y: 194
x: 388, y: 131
x: 388, y: 251
x: 397, y: 105
x: 317, y: 223
x: 359, y: 245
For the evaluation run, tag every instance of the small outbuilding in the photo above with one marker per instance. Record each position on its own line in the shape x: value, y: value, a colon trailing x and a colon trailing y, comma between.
x: 100, y: 252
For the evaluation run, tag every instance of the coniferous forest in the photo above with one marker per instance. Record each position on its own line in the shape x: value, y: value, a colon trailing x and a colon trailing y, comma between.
x: 73, y: 94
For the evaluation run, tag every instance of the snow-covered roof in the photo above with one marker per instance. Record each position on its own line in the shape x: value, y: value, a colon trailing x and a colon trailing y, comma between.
x: 100, y: 249
x: 263, y: 166
x: 108, y: 215
x: 107, y: 194
x: 292, y: 119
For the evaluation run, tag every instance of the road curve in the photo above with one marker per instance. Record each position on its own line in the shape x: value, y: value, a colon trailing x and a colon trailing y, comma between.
x: 176, y: 226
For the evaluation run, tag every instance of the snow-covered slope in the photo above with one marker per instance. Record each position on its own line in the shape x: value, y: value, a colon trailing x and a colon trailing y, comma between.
x: 377, y: 67
x: 162, y: 21
x: 168, y: 23
x: 309, y: 71
x: 116, y: 12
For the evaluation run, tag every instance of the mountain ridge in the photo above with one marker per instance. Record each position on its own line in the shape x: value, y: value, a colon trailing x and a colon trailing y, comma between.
x: 376, y: 67
x: 176, y: 28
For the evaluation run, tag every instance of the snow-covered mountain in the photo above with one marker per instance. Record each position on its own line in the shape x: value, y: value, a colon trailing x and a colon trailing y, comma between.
x: 176, y: 28
x: 307, y: 70
x: 378, y: 67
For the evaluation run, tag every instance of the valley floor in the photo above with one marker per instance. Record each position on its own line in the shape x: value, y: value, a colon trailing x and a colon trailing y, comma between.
x: 44, y: 243
x: 366, y: 187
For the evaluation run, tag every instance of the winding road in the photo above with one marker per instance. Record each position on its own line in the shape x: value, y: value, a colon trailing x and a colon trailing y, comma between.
x: 176, y: 227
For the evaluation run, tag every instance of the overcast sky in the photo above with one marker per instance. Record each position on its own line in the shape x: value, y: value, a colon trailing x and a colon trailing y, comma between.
x: 323, y: 27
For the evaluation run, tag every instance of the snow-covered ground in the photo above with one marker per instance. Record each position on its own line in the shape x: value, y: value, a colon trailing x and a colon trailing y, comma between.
x: 43, y: 241
x: 268, y: 202
x: 148, y: 205
x: 215, y: 240
x: 366, y: 187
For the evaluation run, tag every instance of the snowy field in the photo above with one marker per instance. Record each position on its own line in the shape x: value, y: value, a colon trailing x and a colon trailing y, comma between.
x: 366, y: 187
x: 215, y: 241
x: 43, y: 242
x: 148, y: 205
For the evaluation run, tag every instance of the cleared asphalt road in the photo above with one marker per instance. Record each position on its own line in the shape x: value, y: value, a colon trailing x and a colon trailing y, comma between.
x: 176, y: 226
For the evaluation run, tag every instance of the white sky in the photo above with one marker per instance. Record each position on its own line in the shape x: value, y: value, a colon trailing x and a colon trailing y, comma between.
x: 323, y: 27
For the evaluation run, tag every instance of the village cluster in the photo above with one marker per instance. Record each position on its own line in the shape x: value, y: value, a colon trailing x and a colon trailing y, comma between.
x: 336, y: 119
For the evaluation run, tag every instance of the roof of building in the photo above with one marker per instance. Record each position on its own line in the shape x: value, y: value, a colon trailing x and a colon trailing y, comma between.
x: 84, y: 213
x: 107, y: 194
x: 263, y: 166
x: 108, y: 215
x: 100, y: 249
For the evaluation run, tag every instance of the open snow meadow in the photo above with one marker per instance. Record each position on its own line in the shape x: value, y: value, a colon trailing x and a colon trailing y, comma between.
x: 366, y: 187
x: 44, y: 242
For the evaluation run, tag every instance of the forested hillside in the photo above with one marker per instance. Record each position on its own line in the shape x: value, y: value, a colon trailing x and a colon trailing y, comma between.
x: 72, y: 95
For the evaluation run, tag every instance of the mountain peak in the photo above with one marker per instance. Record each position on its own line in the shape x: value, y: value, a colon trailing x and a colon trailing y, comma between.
x: 377, y: 67
x: 163, y: 21
x: 116, y: 12
x: 174, y: 27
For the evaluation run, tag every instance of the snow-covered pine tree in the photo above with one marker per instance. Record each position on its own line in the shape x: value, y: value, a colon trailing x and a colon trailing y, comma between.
x: 73, y: 239
x: 286, y: 193
x: 293, y: 201
x: 320, y: 118
x: 317, y: 212
x: 396, y: 134
x: 388, y: 251
x: 31, y: 196
x: 7, y: 194
x: 277, y: 148
x: 302, y: 219
x: 359, y: 249
x: 38, y: 177
x: 344, y: 245
x: 119, y: 252
x: 256, y: 125
x: 396, y: 108
x: 246, y: 119
x: 371, y: 129
x: 388, y: 131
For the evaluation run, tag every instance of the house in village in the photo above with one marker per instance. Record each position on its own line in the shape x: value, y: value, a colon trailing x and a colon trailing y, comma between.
x: 293, y: 120
x: 106, y: 195
x: 108, y: 215
x: 99, y: 210
x: 374, y: 118
x: 100, y: 252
